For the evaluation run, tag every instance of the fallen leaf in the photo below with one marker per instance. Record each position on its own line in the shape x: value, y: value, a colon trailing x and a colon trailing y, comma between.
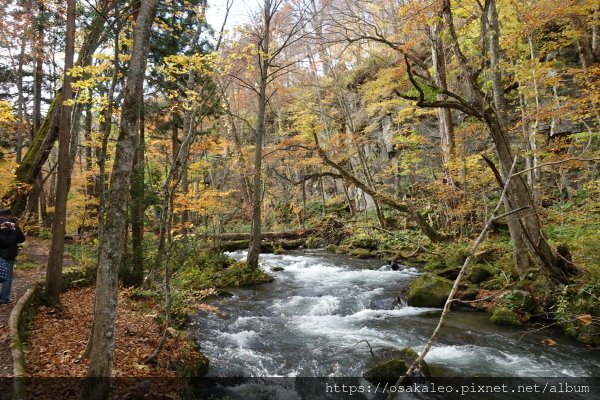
x: 584, y: 319
x: 549, y: 342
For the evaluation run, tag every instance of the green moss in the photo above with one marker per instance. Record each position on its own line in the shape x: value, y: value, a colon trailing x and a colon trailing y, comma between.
x: 364, y: 241
x: 237, y: 274
x: 277, y: 269
x: 428, y: 290
x: 277, y: 249
x: 503, y: 316
x: 387, y: 372
x: 361, y: 253
x: 572, y: 302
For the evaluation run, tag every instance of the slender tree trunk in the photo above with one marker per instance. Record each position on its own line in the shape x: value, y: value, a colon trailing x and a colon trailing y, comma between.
x: 21, y: 103
x: 55, y: 259
x: 110, y: 257
x: 137, y: 210
x: 446, y: 124
x: 264, y: 63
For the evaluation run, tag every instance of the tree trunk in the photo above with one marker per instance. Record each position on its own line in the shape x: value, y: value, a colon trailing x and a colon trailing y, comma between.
x: 517, y: 236
x: 264, y: 63
x: 446, y: 127
x: 55, y: 259
x: 110, y: 253
x: 136, y: 277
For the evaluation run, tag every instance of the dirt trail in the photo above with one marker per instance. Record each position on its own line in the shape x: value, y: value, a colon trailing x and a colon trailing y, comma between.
x: 34, y: 251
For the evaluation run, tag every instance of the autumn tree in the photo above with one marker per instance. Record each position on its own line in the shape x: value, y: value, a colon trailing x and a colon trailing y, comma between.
x: 110, y: 252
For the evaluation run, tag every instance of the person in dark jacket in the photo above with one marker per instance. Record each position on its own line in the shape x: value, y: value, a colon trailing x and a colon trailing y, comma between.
x: 10, y: 236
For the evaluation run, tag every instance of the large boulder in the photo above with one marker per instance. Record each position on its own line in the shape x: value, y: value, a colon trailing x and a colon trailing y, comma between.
x: 428, y: 290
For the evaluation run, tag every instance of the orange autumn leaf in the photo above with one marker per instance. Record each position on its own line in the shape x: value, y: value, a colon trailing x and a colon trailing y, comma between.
x: 584, y: 319
x: 549, y: 342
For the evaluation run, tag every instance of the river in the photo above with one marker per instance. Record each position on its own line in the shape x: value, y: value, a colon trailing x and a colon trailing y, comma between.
x: 313, y: 320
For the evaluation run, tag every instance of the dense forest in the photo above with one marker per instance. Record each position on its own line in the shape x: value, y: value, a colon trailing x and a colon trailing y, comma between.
x: 159, y: 157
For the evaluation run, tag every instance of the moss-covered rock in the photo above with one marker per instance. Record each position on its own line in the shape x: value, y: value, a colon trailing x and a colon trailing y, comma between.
x: 277, y: 269
x: 278, y: 249
x: 361, y: 253
x: 387, y: 372
x: 428, y: 290
x: 332, y: 248
x: 479, y: 273
x: 233, y: 245
x: 503, y: 316
x: 389, y: 364
x: 236, y: 274
x: 364, y: 241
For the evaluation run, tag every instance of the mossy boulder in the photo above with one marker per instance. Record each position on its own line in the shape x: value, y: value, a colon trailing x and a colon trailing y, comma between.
x: 278, y: 249
x: 277, y: 269
x: 479, y: 273
x: 391, y: 363
x: 503, y: 316
x: 428, y: 290
x: 364, y: 241
x: 332, y: 248
x: 361, y: 253
x: 387, y: 372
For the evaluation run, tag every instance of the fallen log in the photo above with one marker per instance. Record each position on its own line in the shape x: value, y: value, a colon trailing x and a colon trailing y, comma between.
x: 294, y: 234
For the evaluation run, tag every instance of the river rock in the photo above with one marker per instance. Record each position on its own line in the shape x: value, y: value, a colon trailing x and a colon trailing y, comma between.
x: 385, y: 304
x: 388, y: 364
x: 277, y: 269
x: 428, y: 290
x: 361, y: 253
x: 503, y: 316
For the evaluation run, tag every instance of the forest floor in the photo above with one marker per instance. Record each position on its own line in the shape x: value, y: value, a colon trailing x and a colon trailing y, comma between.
x: 56, y: 339
x: 34, y: 255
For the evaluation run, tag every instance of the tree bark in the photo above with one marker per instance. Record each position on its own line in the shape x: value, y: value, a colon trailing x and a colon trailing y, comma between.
x: 137, y: 209
x: 264, y: 63
x: 517, y: 236
x: 110, y: 252
x: 55, y: 260
x: 446, y: 127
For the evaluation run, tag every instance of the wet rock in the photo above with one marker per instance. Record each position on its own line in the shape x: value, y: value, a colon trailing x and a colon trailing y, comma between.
x: 277, y: 269
x: 385, y: 304
x: 388, y: 364
x: 428, y: 291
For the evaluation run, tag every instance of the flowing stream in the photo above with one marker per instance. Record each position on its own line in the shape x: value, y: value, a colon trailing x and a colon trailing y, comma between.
x: 313, y: 320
